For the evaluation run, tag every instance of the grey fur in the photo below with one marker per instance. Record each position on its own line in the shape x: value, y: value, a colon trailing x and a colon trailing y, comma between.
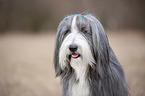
x: 106, y: 77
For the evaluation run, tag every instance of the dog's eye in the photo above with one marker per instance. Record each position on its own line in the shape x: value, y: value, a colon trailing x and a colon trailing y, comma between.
x: 66, y: 32
x: 83, y: 29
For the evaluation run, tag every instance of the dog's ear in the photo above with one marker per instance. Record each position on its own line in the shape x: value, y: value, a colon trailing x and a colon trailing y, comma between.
x: 100, y: 47
x: 56, y: 55
x: 58, y: 42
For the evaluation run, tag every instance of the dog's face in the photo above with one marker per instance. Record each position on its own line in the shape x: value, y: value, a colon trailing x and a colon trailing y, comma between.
x: 80, y: 41
x: 76, y: 45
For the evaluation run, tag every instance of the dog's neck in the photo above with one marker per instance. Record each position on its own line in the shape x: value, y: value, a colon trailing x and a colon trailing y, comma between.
x: 78, y: 85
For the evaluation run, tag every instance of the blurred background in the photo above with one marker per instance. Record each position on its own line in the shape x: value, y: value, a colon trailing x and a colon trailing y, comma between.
x: 27, y: 37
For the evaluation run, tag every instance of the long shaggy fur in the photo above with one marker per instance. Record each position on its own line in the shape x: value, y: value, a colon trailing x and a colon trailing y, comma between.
x: 97, y: 72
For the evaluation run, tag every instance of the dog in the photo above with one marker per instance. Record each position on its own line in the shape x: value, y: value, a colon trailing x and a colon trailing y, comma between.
x: 85, y: 61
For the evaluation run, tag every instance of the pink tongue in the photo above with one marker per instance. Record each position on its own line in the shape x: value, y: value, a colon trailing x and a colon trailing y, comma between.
x: 74, y: 55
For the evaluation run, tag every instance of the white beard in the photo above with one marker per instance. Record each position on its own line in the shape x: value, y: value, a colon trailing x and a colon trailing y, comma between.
x: 78, y: 85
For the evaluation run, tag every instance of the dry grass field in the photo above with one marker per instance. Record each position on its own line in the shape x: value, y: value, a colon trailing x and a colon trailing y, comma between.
x: 26, y: 63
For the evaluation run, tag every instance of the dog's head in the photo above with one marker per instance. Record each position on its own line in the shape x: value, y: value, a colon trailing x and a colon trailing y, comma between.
x: 81, y: 39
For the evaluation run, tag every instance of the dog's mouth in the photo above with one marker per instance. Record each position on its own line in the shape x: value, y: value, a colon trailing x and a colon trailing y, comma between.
x: 74, y: 55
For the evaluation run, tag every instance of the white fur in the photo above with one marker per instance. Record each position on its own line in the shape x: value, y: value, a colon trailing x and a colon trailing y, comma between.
x: 79, y: 64
x: 80, y: 88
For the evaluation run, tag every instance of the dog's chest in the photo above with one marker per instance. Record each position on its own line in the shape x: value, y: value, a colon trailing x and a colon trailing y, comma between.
x: 80, y: 89
x: 78, y: 85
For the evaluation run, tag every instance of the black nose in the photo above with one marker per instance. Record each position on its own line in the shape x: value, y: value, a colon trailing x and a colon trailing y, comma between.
x: 73, y: 47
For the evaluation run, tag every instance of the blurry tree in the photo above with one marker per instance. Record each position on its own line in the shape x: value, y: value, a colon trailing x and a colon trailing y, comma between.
x: 6, y: 11
x: 38, y: 15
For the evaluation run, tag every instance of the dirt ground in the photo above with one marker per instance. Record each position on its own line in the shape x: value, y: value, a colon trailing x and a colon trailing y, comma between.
x: 26, y: 63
